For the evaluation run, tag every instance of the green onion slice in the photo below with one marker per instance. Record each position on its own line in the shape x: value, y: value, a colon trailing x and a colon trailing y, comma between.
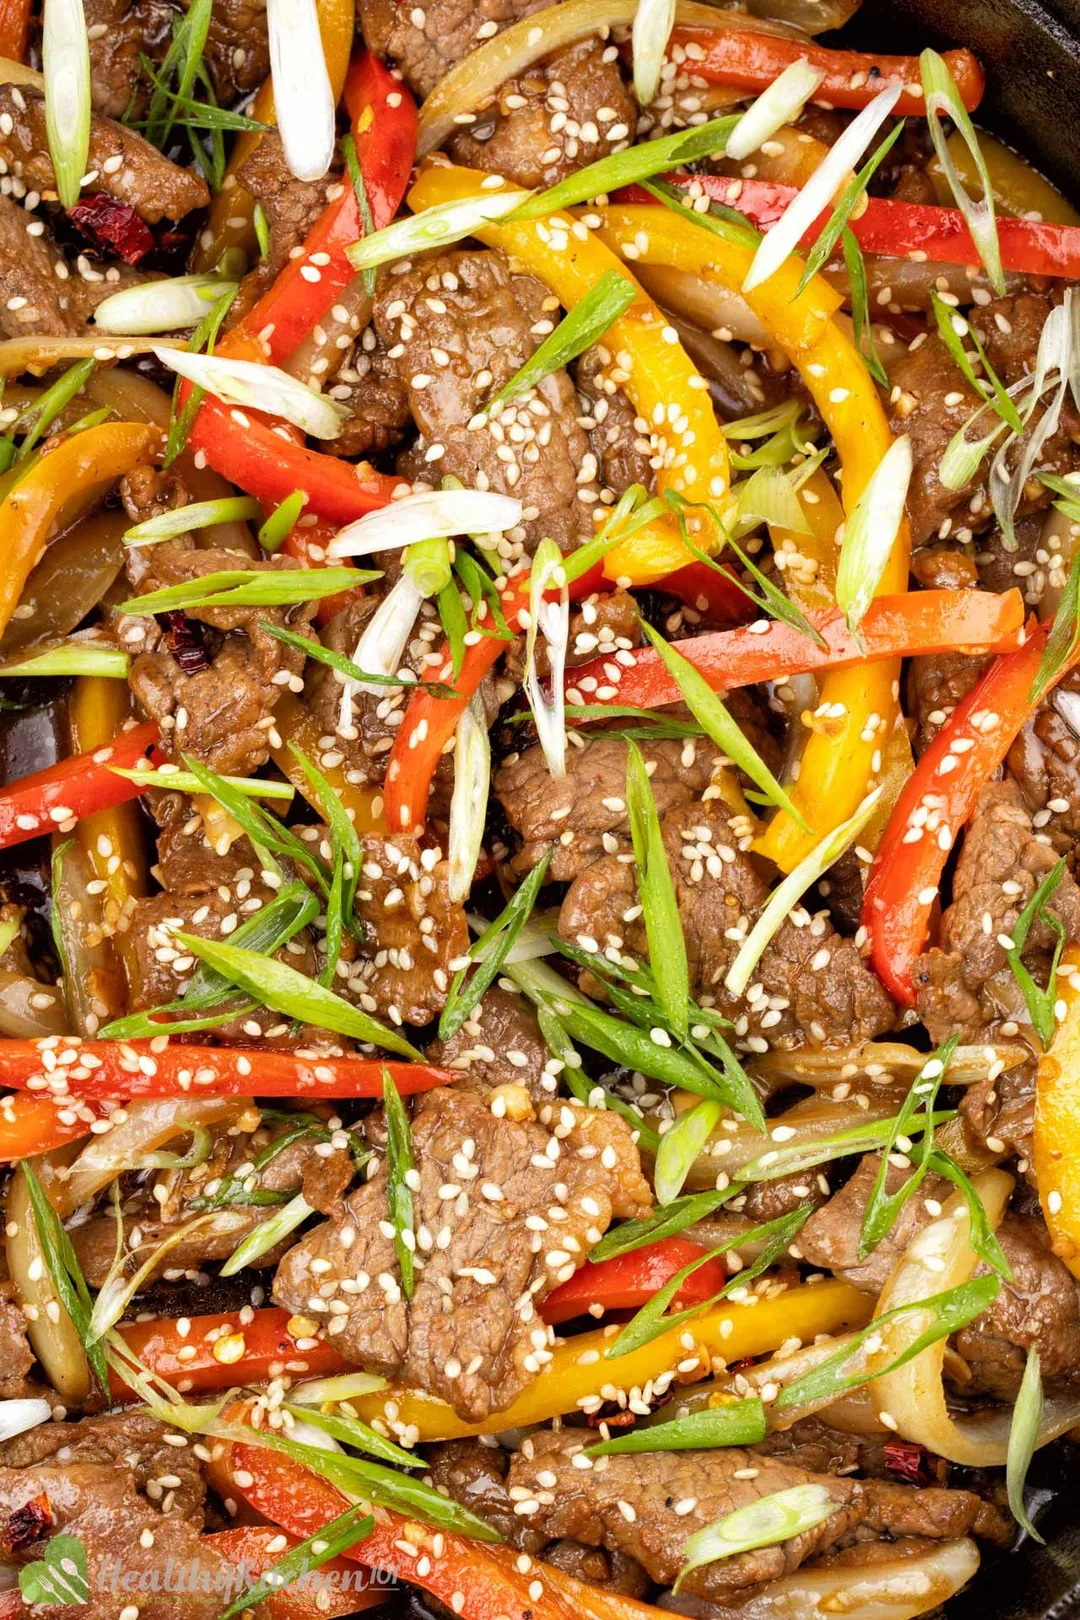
x: 870, y: 532
x: 200, y: 515
x: 943, y: 100
x: 249, y: 587
x: 763, y: 1523
x: 663, y: 924
x: 401, y: 1174
x: 338, y: 1536
x: 1023, y: 1438
x: 65, y: 59
x: 435, y: 228
x: 736, y: 1423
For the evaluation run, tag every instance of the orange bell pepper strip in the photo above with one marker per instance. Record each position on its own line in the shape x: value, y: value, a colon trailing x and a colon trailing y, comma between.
x: 859, y: 706
x: 220, y: 1351
x: 1057, y: 1120
x: 578, y: 1371
x: 336, y: 1588
x: 14, y: 29
x: 851, y: 78
x: 30, y: 1124
x: 666, y: 388
x: 29, y: 510
x: 231, y: 221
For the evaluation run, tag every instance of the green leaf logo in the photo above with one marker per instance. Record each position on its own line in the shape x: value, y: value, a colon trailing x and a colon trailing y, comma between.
x: 60, y: 1576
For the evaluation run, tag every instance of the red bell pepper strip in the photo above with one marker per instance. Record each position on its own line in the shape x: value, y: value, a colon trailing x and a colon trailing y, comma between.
x: 938, y: 799
x: 14, y: 29
x: 473, y: 1579
x: 336, y: 1588
x: 768, y: 650
x: 97, y: 1069
x: 383, y: 118
x: 30, y: 1125
x: 630, y: 1280
x: 248, y: 1352
x: 308, y: 546
x: 715, y: 596
x: 75, y: 788
x: 851, y: 78
x: 430, y: 722
x: 902, y: 229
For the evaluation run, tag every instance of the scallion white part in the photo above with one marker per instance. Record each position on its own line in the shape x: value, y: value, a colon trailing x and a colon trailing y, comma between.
x: 435, y: 227
x: 468, y: 806
x: 1055, y: 359
x: 780, y: 104
x: 17, y: 1416
x: 787, y: 894
x: 437, y: 514
x: 763, y: 1523
x: 818, y: 191
x: 382, y: 644
x: 199, y: 515
x: 653, y: 22
x: 870, y: 532
x: 263, y: 388
x: 267, y: 1234
x: 161, y: 306
x: 65, y: 57
x: 321, y: 1391
x: 75, y: 657
x: 303, y: 96
x: 551, y: 619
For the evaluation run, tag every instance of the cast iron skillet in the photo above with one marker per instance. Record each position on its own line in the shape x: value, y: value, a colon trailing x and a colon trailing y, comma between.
x: 1031, y: 52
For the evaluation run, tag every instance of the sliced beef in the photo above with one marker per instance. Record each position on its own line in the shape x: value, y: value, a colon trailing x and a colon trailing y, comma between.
x: 413, y: 931
x: 372, y: 390
x: 135, y: 1503
x: 649, y: 1506
x: 16, y: 1356
x: 937, y: 683
x: 999, y: 1113
x: 811, y: 984
x: 583, y: 814
x: 565, y: 112
x: 500, y: 1045
x: 1045, y: 759
x: 625, y: 453
x: 237, y: 48
x: 291, y: 206
x: 37, y: 297
x: 1040, y: 1307
x: 830, y: 1238
x: 222, y: 715
x: 504, y: 1212
x: 459, y: 326
x: 124, y: 166
x: 119, y: 33
x: 965, y: 983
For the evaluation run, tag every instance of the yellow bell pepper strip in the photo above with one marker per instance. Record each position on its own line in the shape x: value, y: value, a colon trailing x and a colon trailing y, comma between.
x: 1017, y: 187
x: 807, y: 561
x: 112, y: 840
x: 1057, y: 1120
x: 666, y: 388
x: 578, y: 1373
x: 230, y: 225
x: 858, y: 707
x: 293, y: 723
x: 29, y: 510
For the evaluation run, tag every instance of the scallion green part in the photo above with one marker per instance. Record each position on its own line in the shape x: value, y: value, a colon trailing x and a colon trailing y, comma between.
x: 660, y: 905
x: 281, y: 522
x: 761, y: 1523
x: 401, y: 1173
x: 585, y: 324
x: 735, y: 1423
x: 199, y: 515
x: 249, y: 587
x: 75, y: 657
x: 354, y: 1525
x: 1023, y: 1438
x: 490, y: 952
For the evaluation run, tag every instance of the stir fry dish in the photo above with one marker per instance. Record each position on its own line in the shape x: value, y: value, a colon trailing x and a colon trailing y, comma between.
x: 539, y: 814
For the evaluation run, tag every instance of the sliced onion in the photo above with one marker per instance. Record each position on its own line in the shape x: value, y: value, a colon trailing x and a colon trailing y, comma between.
x: 20, y: 1019
x: 894, y: 1590
x: 303, y: 96
x: 263, y: 388
x: 713, y: 308
x: 65, y: 56
x: 818, y: 191
x: 37, y: 354
x: 475, y: 80
x: 811, y: 16
x: 16, y: 1417
x: 551, y: 619
x: 786, y: 894
x: 878, y: 1063
x: 653, y: 22
x: 870, y: 532
x: 68, y: 582
x: 853, y: 1412
x: 780, y: 104
x: 438, y: 514
x: 49, y: 1328
x: 18, y: 73
x: 143, y: 1126
x: 468, y: 806
x: 911, y: 1398
x: 161, y: 306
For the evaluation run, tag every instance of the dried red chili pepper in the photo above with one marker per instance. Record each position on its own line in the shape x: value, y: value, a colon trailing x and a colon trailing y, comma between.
x: 113, y: 225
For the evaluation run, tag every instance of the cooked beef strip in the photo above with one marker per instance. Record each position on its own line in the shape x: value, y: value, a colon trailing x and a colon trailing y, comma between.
x: 937, y: 683
x: 830, y: 1238
x: 624, y: 452
x: 1001, y: 1111
x: 320, y: 1171
x: 412, y: 932
x: 965, y: 982
x: 1045, y: 760
x: 222, y: 715
x: 154, y: 187
x: 1040, y: 1307
x: 459, y: 326
x: 605, y: 623
x: 931, y: 401
x: 470, y: 1334
x: 474, y: 1474
x: 565, y: 112
x: 16, y: 1356
x: 372, y: 390
x: 583, y: 814
x: 291, y: 206
x: 119, y: 33
x: 40, y: 294
x: 670, y: 1495
x: 237, y: 48
x: 812, y: 984
x: 134, y: 1502
x: 500, y: 1045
